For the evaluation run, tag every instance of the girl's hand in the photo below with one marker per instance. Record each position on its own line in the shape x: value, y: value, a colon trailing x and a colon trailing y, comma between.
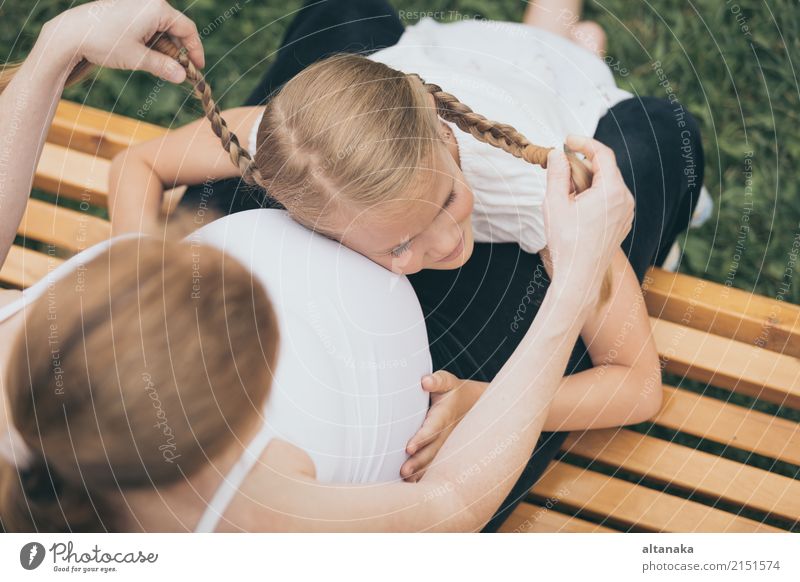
x: 113, y: 33
x: 584, y: 231
x: 451, y: 399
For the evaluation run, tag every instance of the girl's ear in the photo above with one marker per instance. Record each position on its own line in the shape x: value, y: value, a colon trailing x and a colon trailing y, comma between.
x: 449, y: 141
x: 445, y: 132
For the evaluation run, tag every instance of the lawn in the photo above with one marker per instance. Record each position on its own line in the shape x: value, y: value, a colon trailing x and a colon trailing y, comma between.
x: 730, y: 63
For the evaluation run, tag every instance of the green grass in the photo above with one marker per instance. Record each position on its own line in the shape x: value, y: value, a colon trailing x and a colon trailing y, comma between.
x: 741, y: 85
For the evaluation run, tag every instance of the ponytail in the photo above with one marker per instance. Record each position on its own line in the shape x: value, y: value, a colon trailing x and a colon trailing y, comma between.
x: 37, y: 499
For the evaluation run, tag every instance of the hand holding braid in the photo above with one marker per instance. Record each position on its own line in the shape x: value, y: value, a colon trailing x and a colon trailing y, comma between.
x: 508, y: 139
x: 240, y: 157
x: 448, y: 107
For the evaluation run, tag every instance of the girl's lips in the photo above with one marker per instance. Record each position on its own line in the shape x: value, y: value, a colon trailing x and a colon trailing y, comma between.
x: 456, y: 252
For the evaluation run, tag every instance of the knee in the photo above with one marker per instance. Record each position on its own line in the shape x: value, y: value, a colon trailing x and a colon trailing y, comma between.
x: 589, y: 35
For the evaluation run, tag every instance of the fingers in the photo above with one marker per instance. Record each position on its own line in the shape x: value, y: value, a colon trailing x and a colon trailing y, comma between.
x: 603, y: 160
x: 424, y: 436
x: 184, y: 30
x: 158, y: 64
x: 581, y: 174
x: 439, y: 382
x: 414, y: 468
x: 558, y: 175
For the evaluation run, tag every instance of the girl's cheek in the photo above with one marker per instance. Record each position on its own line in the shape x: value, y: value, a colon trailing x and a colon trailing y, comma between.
x: 411, y: 263
x: 469, y: 203
x: 404, y: 264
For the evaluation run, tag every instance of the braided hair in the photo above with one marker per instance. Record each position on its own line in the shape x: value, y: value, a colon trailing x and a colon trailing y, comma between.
x: 448, y: 107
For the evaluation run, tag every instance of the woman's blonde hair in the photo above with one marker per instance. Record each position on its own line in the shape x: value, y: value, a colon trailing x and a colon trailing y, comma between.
x: 132, y: 373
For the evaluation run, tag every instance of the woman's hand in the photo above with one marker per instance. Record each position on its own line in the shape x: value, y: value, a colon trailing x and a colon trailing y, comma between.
x: 113, y: 33
x: 584, y: 231
x: 451, y: 399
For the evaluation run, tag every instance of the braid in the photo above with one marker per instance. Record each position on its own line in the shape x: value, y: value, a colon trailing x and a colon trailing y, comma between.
x: 240, y: 157
x: 498, y: 134
x: 501, y: 135
x: 508, y: 139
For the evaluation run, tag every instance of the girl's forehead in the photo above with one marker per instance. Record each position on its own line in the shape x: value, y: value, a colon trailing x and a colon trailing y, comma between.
x: 388, y: 223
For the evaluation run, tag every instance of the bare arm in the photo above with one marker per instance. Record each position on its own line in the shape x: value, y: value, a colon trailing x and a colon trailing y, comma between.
x: 481, y: 460
x: 93, y: 33
x: 27, y: 107
x: 624, y: 386
x: 189, y: 155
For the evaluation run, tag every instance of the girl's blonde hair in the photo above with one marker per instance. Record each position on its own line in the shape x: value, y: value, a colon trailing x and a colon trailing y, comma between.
x: 349, y: 131
x: 134, y: 376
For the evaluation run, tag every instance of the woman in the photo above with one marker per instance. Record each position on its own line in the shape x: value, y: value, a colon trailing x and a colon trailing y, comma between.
x: 466, y: 338
x: 128, y: 486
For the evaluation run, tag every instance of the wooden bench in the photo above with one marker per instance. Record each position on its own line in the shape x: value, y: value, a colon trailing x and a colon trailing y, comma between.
x: 736, y: 467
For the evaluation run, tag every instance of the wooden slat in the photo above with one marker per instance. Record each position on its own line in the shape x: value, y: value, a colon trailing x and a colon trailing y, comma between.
x: 728, y: 364
x: 62, y: 227
x: 73, y: 174
x: 636, y: 506
x: 689, y: 469
x: 725, y: 311
x: 529, y: 518
x: 23, y: 267
x: 729, y: 424
x: 97, y: 132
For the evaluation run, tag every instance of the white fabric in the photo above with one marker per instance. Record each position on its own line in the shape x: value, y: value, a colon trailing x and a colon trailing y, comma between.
x: 13, y: 448
x: 233, y: 480
x: 540, y: 83
x: 353, y: 346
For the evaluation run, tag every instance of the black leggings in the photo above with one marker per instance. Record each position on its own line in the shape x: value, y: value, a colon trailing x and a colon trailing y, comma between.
x: 469, y: 311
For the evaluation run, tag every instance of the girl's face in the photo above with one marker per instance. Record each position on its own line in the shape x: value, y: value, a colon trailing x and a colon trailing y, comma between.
x: 429, y: 230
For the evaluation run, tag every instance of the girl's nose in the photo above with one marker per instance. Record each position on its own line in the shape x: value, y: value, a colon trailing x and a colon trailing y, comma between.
x: 446, y: 242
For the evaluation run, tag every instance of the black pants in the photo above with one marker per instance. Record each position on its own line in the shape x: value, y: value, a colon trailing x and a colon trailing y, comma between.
x: 469, y: 311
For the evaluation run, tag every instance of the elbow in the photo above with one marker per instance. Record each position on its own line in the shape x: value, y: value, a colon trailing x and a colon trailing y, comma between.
x: 651, y: 394
x: 114, y: 173
x: 455, y: 512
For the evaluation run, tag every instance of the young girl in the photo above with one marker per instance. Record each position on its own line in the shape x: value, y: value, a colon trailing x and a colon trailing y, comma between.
x: 403, y: 172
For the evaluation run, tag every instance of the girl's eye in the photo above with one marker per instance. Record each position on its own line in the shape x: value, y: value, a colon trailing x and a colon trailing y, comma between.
x: 401, y: 250
x: 450, y: 199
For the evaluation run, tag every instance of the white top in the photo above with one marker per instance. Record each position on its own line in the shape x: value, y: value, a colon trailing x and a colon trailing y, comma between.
x: 540, y: 83
x: 353, y: 346
x: 231, y: 483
